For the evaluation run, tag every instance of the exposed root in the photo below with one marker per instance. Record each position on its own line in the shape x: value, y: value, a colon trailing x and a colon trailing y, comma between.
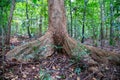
x: 73, y: 48
x: 45, y: 46
x: 68, y: 45
x: 103, y: 56
x: 41, y: 48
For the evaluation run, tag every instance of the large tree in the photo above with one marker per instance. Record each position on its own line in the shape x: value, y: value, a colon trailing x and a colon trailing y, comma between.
x: 56, y: 39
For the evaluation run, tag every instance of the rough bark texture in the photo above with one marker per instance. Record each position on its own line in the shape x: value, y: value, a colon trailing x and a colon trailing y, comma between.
x: 55, y: 39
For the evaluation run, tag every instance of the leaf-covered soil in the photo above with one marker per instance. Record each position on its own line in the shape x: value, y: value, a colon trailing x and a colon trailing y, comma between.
x: 59, y: 67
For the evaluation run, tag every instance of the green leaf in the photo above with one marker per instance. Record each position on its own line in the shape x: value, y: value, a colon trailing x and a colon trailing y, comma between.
x: 20, y: 1
x: 117, y: 15
x: 77, y: 70
x: 34, y: 1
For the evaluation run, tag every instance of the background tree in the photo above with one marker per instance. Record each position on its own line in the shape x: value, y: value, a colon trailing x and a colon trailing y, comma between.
x: 117, y: 20
x: 9, y: 23
x: 111, y: 22
x: 71, y: 18
x: 28, y: 20
x: 84, y: 14
x: 102, y: 5
x: 3, y: 16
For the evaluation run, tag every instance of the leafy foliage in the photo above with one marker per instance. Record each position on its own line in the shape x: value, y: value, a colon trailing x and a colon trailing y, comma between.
x: 37, y: 9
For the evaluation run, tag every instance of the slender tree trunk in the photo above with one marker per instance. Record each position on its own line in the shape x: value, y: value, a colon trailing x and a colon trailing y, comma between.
x: 94, y: 34
x: 102, y: 23
x: 118, y: 22
x: 28, y: 21
x: 16, y: 31
x: 105, y: 21
x: 1, y: 27
x: 40, y: 26
x: 75, y: 28
x: 71, y: 29
x: 83, y: 25
x: 9, y: 23
x: 107, y: 27
x: 94, y: 30
x: 111, y: 23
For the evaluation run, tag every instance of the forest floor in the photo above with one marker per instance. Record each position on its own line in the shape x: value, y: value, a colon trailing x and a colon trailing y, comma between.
x: 60, y: 67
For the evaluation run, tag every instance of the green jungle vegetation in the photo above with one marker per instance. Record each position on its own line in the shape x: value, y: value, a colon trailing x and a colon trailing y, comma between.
x: 59, y: 39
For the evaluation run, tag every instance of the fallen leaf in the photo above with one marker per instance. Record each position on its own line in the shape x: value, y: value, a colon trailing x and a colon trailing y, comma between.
x: 58, y: 77
x: 45, y: 63
x: 93, y: 69
x: 106, y: 68
x: 100, y: 74
x: 53, y: 67
x: 16, y: 77
x: 13, y: 79
x: 24, y: 75
x: 71, y: 75
x: 93, y: 79
x: 36, y: 77
x: 78, y: 78
x: 33, y: 67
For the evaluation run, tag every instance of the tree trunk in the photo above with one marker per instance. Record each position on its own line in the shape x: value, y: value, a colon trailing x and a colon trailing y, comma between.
x: 102, y: 23
x: 71, y: 18
x: 83, y: 25
x: 56, y: 39
x: 16, y: 31
x: 111, y: 23
x: 75, y: 25
x: 40, y: 26
x: 9, y: 23
x: 57, y: 25
x: 28, y: 21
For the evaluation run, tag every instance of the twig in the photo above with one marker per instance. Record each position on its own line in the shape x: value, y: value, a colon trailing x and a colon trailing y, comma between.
x: 16, y: 63
x: 86, y: 78
x: 21, y: 67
